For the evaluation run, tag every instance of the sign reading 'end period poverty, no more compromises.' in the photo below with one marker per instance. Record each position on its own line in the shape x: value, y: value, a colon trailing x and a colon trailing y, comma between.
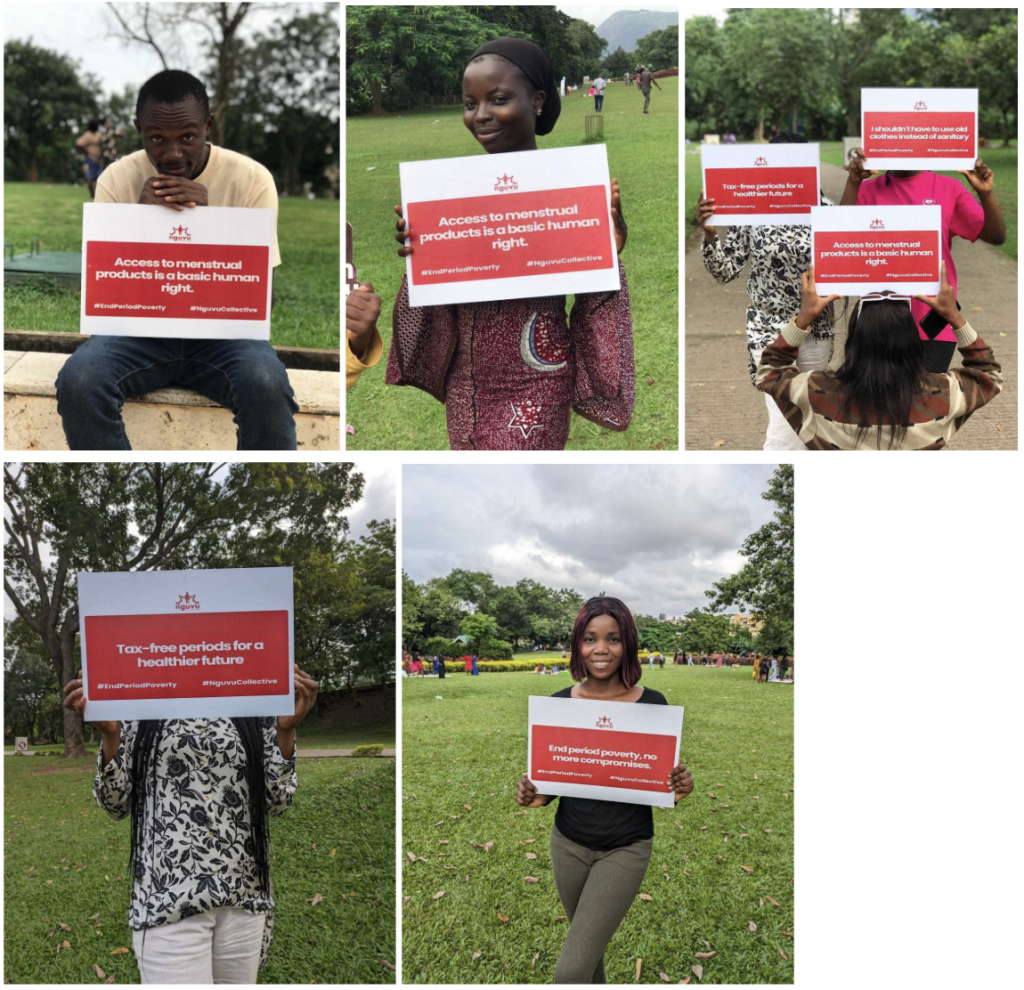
x: 861, y: 249
x: 605, y: 751
x: 187, y: 644
x: 148, y: 271
x: 509, y: 226
x: 756, y: 184
x: 919, y: 128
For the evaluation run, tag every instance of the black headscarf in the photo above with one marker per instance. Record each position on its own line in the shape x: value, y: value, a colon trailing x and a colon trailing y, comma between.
x: 536, y: 67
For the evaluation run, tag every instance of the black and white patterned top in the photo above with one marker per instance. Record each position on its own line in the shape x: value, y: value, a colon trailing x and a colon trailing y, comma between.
x: 197, y: 853
x: 778, y: 256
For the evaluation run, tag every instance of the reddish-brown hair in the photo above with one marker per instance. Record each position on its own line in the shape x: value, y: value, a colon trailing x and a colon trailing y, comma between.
x: 630, y: 670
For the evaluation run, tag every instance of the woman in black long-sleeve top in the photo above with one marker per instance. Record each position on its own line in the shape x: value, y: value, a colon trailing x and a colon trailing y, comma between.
x: 600, y: 849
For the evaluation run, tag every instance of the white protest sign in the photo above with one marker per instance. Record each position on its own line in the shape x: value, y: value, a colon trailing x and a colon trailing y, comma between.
x: 604, y: 750
x: 912, y: 128
x: 860, y: 249
x: 187, y: 644
x: 509, y: 226
x: 148, y: 271
x: 755, y: 184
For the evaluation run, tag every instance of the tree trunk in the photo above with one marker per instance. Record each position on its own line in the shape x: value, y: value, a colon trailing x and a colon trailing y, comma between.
x: 759, y: 130
x: 1006, y: 130
x: 74, y: 743
x: 377, y: 106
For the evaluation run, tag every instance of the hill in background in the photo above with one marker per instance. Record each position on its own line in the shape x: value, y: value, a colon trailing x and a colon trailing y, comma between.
x: 626, y: 27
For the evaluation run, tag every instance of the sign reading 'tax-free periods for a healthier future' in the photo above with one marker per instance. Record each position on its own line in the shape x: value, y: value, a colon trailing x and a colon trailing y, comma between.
x: 509, y: 226
x: 860, y: 249
x: 755, y: 184
x: 604, y: 750
x: 919, y: 128
x: 187, y: 644
x: 148, y: 271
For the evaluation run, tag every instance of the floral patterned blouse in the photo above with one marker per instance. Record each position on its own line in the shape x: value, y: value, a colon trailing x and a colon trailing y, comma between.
x: 197, y: 853
x: 778, y: 255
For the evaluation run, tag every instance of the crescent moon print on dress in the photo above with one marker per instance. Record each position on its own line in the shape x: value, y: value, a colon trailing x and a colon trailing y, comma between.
x: 540, y: 347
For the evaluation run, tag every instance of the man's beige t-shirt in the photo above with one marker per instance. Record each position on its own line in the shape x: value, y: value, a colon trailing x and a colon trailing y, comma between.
x: 231, y: 179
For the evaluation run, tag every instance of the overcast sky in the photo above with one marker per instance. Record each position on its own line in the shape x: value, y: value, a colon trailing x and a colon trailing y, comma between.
x: 656, y: 536
x: 83, y: 31
x: 378, y: 502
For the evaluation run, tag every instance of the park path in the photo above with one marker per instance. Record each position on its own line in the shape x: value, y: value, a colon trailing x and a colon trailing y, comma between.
x: 722, y: 405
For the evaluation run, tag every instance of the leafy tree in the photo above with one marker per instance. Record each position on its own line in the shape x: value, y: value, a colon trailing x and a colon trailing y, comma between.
x: 412, y: 622
x: 65, y: 517
x: 287, y: 102
x: 477, y: 627
x: 474, y: 587
x: 660, y: 48
x: 46, y: 105
x: 439, y: 610
x: 996, y: 59
x: 741, y: 638
x: 704, y: 631
x: 28, y: 679
x: 618, y: 63
x: 764, y: 585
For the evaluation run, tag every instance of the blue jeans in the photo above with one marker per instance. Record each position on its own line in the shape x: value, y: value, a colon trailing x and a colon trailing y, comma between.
x: 245, y: 376
x: 598, y: 102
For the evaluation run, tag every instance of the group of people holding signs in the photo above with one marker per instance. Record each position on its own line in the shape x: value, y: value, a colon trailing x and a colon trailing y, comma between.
x: 889, y: 245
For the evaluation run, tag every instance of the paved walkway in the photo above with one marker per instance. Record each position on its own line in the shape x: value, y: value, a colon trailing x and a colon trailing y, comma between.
x: 725, y: 412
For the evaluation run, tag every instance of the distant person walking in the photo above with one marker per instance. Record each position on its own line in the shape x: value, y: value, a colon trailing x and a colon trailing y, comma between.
x: 599, y: 84
x: 91, y: 144
x: 646, y: 81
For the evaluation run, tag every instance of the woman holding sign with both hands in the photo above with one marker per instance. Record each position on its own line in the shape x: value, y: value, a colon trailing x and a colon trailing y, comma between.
x: 883, y: 385
x: 508, y: 371
x: 199, y: 792
x: 600, y: 849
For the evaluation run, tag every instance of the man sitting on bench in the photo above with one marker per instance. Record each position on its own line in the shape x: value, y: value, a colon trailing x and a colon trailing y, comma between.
x: 179, y: 170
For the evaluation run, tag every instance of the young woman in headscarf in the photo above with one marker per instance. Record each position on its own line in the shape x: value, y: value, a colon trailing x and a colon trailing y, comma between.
x: 509, y: 371
x: 600, y: 849
x: 199, y: 792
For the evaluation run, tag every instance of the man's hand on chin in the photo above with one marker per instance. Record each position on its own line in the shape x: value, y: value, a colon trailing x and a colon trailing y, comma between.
x: 173, y: 191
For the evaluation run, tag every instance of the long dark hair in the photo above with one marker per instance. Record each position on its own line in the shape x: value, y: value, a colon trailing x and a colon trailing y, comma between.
x: 630, y: 671
x: 882, y: 369
x: 144, y: 777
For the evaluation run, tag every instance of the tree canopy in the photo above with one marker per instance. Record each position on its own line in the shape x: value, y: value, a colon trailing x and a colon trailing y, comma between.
x: 274, y: 93
x: 740, y: 76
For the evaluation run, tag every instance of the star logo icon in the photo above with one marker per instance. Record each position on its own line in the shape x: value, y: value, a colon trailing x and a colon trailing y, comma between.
x: 526, y: 417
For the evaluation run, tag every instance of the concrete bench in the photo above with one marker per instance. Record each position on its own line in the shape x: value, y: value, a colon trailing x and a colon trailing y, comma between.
x: 168, y: 419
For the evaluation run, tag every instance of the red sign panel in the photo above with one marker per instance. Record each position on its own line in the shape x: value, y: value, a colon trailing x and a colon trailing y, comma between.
x: 176, y: 281
x: 510, y: 234
x: 843, y: 255
x: 194, y: 655
x: 918, y: 133
x: 635, y: 760
x: 762, y: 189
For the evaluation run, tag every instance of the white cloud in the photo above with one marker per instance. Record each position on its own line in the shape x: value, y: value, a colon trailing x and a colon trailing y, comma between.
x: 656, y: 536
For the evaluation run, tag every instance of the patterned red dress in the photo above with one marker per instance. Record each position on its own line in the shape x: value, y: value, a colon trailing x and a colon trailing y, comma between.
x: 509, y: 371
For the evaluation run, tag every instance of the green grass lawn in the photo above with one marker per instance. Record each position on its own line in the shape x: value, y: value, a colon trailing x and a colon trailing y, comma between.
x: 65, y: 863
x: 643, y: 156
x: 1002, y: 161
x: 470, y: 748
x: 306, y: 285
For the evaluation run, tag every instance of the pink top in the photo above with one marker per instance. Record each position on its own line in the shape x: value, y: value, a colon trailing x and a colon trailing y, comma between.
x: 962, y: 216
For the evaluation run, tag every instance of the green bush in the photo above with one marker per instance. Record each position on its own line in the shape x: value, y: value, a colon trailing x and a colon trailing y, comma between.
x: 374, y: 749
x: 446, y: 647
x: 495, y: 649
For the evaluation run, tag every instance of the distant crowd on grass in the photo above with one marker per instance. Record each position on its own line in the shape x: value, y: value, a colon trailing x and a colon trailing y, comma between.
x: 773, y: 668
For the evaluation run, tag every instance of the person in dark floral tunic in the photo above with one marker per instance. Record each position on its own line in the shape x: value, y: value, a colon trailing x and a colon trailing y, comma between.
x: 778, y: 255
x: 199, y: 793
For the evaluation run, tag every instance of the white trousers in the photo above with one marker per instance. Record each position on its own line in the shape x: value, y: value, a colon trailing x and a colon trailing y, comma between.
x: 814, y: 355
x: 218, y: 946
